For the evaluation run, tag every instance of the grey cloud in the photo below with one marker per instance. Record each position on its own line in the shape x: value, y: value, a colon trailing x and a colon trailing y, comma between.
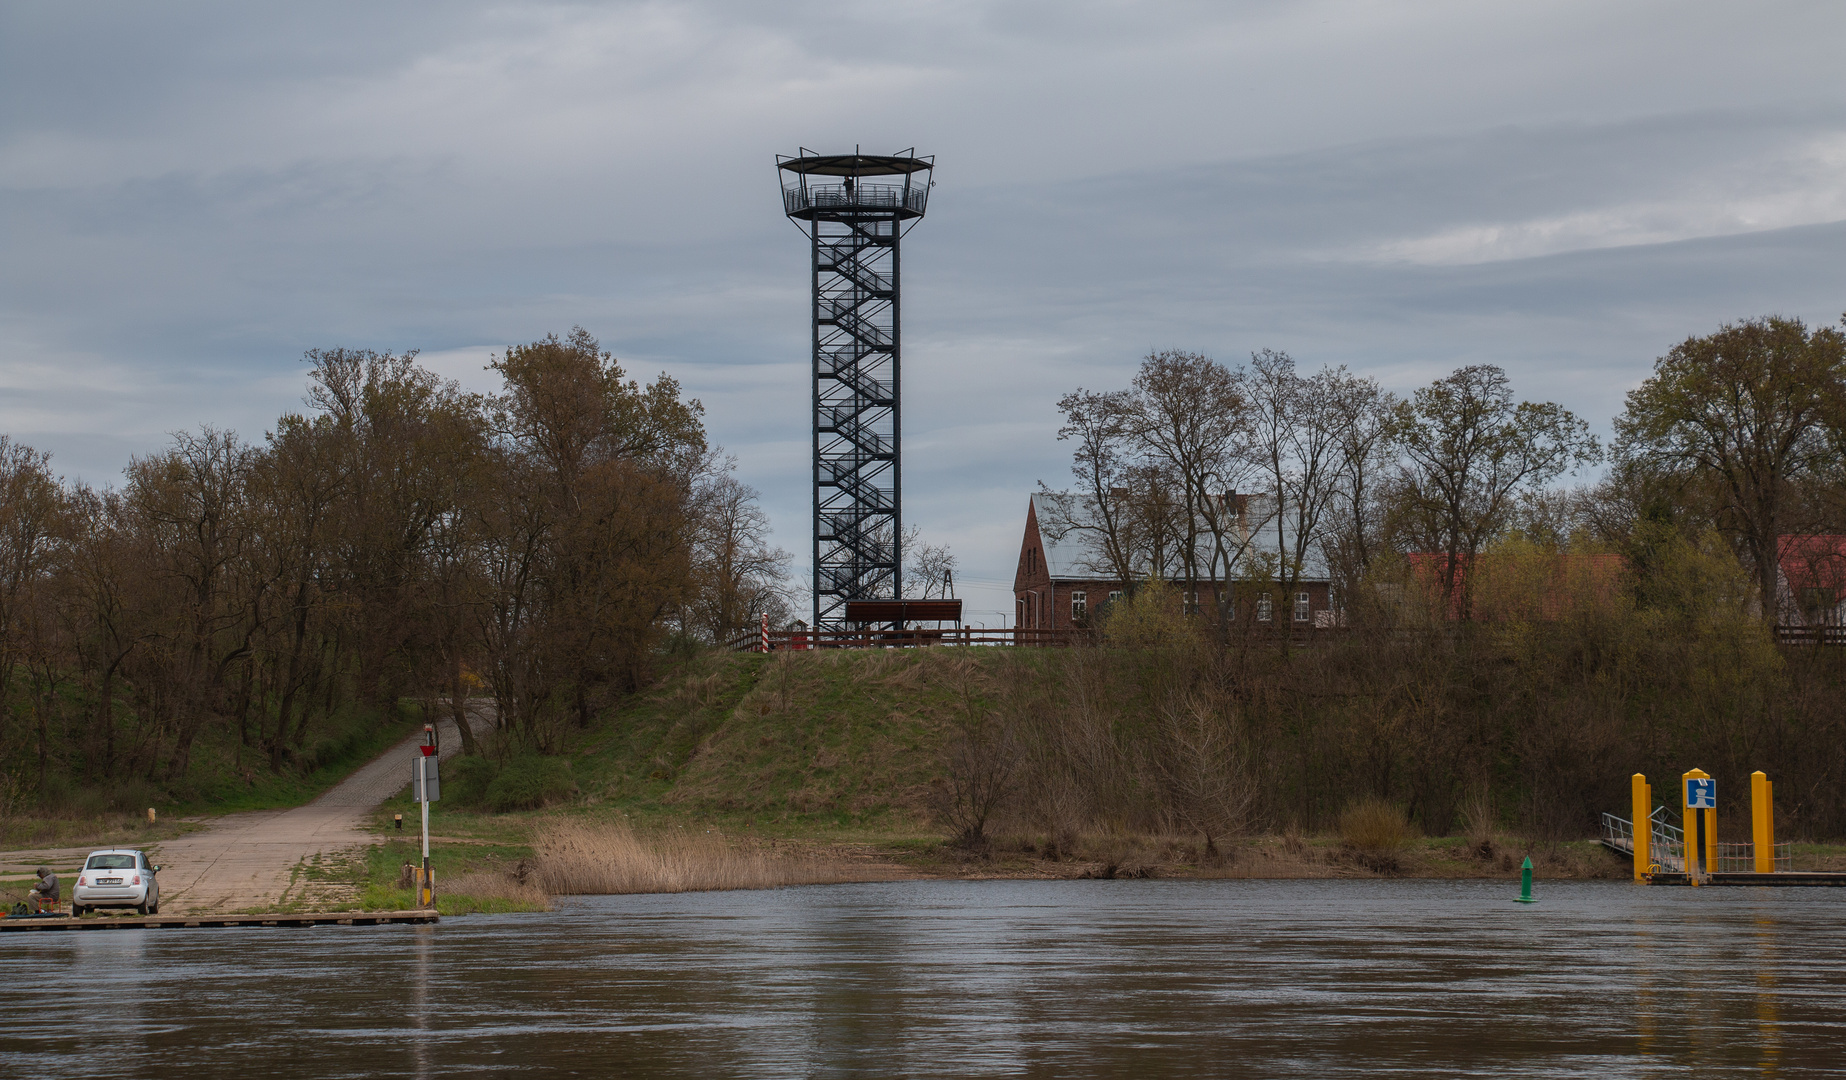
x: 192, y: 195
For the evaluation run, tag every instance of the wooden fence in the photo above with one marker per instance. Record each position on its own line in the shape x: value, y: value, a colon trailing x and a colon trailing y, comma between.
x: 780, y: 640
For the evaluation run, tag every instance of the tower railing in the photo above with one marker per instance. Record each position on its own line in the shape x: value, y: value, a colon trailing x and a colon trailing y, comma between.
x: 796, y: 199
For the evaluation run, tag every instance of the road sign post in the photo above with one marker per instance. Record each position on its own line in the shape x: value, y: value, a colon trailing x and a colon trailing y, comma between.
x: 1700, y: 792
x: 426, y: 786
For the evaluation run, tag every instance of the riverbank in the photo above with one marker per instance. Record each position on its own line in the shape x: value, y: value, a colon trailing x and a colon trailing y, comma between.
x: 476, y: 847
x: 841, y: 767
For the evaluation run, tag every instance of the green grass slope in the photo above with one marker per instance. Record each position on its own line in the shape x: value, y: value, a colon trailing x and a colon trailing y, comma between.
x: 850, y: 738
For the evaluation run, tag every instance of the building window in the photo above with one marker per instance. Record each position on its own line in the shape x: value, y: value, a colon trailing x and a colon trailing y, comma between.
x: 1265, y: 609
x: 1115, y: 596
x: 1301, y: 607
x: 1192, y: 603
x: 1079, y: 604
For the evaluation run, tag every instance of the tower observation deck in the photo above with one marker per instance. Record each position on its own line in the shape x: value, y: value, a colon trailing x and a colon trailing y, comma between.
x: 855, y: 208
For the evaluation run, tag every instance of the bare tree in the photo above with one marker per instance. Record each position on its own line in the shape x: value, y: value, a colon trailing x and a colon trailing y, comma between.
x: 738, y: 575
x: 931, y: 571
x: 1469, y: 450
x: 1205, y: 769
x: 1189, y: 413
x: 1300, y: 437
x: 1102, y: 510
x: 1362, y: 414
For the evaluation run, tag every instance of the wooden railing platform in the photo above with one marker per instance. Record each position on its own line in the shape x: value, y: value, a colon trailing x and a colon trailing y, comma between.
x: 1782, y: 879
x: 799, y: 640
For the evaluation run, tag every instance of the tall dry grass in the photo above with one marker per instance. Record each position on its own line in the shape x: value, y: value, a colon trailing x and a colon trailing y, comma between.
x: 488, y: 887
x: 1375, y: 825
x: 584, y: 858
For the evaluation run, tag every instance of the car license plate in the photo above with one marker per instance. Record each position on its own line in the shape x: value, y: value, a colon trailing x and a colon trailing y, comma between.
x: 108, y: 881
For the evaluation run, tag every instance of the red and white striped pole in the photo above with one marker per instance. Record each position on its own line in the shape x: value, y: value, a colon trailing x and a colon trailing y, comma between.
x: 765, y: 631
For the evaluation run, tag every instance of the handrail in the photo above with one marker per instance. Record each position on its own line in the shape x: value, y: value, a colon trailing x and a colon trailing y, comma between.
x: 1668, y: 847
x: 861, y: 196
x: 1666, y: 843
x: 1810, y: 635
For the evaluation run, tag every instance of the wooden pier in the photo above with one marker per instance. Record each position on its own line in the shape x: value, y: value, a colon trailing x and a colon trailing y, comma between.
x: 24, y: 923
x: 1779, y: 879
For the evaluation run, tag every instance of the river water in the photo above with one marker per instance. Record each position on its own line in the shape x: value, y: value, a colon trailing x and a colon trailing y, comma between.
x: 951, y: 978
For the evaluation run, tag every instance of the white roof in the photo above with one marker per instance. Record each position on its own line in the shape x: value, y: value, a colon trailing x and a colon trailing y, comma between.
x: 1069, y: 557
x: 1066, y: 557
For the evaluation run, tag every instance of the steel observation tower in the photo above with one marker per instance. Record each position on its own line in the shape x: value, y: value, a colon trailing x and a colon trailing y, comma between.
x: 855, y: 208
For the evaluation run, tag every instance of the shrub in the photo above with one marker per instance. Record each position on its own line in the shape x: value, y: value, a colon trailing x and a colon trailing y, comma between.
x: 1374, y: 825
x: 465, y: 779
x: 528, y: 782
x: 134, y: 795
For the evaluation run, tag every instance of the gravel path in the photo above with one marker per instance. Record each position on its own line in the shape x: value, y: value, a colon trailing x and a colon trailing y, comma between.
x: 249, y: 860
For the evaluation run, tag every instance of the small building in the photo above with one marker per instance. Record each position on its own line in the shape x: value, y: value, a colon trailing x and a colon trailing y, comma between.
x: 1056, y: 585
x: 1811, y: 580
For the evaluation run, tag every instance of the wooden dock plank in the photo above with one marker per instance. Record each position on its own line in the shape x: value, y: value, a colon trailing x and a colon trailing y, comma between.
x: 1782, y: 879
x: 159, y: 922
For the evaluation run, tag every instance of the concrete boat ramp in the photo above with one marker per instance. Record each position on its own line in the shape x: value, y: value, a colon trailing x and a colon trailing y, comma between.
x: 30, y: 923
x: 250, y: 861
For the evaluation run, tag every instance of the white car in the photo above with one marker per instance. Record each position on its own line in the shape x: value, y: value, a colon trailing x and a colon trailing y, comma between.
x: 117, y: 877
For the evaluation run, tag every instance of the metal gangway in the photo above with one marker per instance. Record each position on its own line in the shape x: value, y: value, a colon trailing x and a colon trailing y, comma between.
x: 1666, y: 844
x: 1667, y: 847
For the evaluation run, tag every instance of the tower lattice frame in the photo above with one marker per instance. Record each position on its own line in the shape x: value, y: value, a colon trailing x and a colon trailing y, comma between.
x: 855, y: 227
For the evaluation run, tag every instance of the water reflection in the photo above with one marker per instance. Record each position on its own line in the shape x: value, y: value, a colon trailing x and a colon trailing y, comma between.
x: 1768, y: 1027
x: 959, y: 978
x: 423, y: 941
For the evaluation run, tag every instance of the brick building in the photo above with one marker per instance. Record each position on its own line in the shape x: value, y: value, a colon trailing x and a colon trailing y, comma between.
x: 1054, y: 588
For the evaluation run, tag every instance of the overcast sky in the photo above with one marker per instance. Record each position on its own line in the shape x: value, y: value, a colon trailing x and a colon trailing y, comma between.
x: 191, y: 195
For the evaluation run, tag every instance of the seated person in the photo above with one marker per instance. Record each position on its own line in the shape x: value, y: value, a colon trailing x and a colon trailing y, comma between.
x: 45, y: 892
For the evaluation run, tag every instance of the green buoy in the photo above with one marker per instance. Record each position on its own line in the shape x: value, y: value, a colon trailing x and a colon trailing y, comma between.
x: 1525, y: 882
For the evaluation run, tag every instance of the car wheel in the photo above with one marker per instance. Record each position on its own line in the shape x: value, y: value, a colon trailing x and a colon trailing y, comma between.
x: 142, y: 909
x: 76, y: 911
x: 154, y: 908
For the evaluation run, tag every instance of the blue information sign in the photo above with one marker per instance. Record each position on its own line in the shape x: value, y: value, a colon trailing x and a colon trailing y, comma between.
x: 1701, y: 794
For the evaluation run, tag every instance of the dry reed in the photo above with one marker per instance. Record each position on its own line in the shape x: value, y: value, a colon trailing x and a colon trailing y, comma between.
x: 487, y: 887
x: 1375, y: 825
x: 581, y: 858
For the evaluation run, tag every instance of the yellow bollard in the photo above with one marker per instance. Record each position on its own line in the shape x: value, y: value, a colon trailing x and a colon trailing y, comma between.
x: 1760, y: 844
x: 1643, y: 828
x: 1711, y: 840
x: 1690, y: 822
x: 1652, y: 862
x: 1769, y: 822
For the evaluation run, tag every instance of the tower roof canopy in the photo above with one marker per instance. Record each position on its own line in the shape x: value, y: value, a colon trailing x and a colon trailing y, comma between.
x: 855, y: 165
